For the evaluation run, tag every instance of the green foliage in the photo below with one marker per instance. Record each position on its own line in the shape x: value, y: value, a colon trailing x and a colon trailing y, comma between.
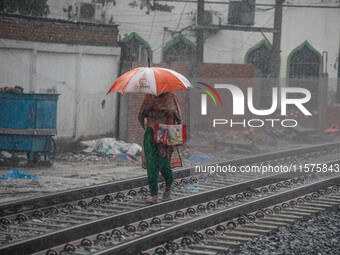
x: 25, y: 7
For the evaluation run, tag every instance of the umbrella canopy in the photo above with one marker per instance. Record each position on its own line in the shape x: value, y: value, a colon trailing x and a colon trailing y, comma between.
x: 151, y: 80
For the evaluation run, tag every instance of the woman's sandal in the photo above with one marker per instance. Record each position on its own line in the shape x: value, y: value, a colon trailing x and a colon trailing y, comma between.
x: 167, y: 191
x: 152, y: 199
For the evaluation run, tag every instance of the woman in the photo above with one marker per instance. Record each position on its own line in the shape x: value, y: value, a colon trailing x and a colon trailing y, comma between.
x: 162, y: 109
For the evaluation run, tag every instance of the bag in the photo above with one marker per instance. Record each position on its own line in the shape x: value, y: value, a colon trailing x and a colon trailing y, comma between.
x: 174, y: 135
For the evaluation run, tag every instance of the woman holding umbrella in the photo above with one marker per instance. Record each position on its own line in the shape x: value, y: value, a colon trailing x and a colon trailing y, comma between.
x: 163, y: 109
x: 160, y: 105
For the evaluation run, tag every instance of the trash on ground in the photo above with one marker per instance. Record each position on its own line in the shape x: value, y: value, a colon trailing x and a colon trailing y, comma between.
x: 112, y: 146
x: 5, y: 154
x: 193, y: 189
x: 201, y: 157
x: 16, y: 174
x: 125, y: 156
x: 332, y: 129
x: 16, y: 89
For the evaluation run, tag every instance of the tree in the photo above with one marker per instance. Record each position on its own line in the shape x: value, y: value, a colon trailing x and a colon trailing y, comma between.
x: 25, y: 7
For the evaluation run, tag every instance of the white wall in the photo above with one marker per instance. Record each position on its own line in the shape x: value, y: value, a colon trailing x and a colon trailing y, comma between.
x: 320, y: 26
x: 80, y: 74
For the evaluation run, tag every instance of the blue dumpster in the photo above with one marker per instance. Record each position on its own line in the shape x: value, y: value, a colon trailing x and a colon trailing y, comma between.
x: 28, y: 124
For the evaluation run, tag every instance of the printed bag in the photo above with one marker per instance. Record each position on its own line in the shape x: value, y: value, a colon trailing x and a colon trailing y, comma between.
x: 170, y: 134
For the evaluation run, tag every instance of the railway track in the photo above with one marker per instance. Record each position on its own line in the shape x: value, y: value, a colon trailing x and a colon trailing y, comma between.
x: 228, y: 235
x: 23, y: 205
x: 41, y: 223
x: 216, y: 216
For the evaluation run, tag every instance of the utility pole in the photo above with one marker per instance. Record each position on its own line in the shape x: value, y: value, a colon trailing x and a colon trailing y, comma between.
x: 275, y: 55
x: 338, y: 87
x: 199, y: 32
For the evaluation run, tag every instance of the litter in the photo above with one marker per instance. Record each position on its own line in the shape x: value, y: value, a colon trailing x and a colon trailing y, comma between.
x: 111, y: 146
x: 16, y: 174
x: 193, y: 189
x: 125, y: 156
x: 16, y: 89
x: 332, y: 129
x: 201, y: 157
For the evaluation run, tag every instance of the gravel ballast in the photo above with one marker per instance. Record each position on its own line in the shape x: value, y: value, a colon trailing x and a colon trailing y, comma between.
x: 319, y: 235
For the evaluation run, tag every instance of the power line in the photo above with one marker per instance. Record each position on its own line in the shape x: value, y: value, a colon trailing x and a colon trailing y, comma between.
x: 270, y: 5
x: 153, y: 20
x: 180, y: 19
x: 212, y: 47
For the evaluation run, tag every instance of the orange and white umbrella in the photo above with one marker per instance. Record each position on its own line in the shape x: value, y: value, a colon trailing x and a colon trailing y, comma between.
x: 151, y: 80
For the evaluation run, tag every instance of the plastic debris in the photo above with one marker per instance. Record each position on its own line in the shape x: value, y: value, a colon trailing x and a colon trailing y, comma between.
x: 201, y: 157
x: 5, y: 154
x: 332, y: 129
x: 16, y: 174
x: 112, y: 146
x: 126, y: 156
x: 193, y: 189
x: 270, y: 132
x: 16, y: 89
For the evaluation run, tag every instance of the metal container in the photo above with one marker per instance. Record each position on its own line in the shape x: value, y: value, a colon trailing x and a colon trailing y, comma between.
x: 27, y: 124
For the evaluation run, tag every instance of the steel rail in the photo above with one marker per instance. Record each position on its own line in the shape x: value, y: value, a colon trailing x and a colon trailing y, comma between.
x: 173, y: 232
x: 176, y: 220
x: 86, y: 229
x: 231, y: 234
x: 26, y: 204
x: 52, y: 239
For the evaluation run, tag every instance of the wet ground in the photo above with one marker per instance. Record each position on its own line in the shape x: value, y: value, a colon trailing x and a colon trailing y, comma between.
x: 75, y: 168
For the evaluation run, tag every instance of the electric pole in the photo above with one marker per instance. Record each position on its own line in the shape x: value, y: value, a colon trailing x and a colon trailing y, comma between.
x: 199, y: 31
x: 276, y: 50
x: 338, y: 87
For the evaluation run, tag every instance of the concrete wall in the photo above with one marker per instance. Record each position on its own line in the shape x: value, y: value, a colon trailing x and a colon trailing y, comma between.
x: 317, y: 25
x: 79, y: 61
x: 80, y: 74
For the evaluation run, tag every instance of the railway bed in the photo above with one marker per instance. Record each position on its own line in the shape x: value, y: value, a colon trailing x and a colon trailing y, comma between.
x: 41, y: 223
x: 132, y: 237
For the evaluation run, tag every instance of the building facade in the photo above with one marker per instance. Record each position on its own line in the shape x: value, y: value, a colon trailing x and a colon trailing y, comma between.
x: 78, y: 61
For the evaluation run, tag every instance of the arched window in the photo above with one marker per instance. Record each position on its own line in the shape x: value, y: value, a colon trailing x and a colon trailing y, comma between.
x: 259, y: 56
x: 180, y: 49
x: 303, y: 70
x: 134, y: 48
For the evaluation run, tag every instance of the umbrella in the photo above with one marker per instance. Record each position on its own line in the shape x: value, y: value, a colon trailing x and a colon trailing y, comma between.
x: 151, y: 80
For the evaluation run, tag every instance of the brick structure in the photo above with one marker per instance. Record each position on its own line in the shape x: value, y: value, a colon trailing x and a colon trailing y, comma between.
x: 219, y: 70
x: 240, y: 75
x: 333, y: 114
x: 18, y: 27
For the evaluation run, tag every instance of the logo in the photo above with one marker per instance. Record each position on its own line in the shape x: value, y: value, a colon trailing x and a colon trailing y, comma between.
x: 238, y: 104
x: 204, y: 97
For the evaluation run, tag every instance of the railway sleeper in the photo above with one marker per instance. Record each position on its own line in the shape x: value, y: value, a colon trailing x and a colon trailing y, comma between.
x: 61, y: 221
x: 196, y: 252
x: 233, y: 238
x: 310, y: 207
x: 253, y: 230
x: 292, y: 212
x: 207, y: 247
x: 322, y: 202
x: 299, y: 210
x: 259, y: 226
x: 288, y: 217
x: 276, y: 222
x: 223, y: 243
